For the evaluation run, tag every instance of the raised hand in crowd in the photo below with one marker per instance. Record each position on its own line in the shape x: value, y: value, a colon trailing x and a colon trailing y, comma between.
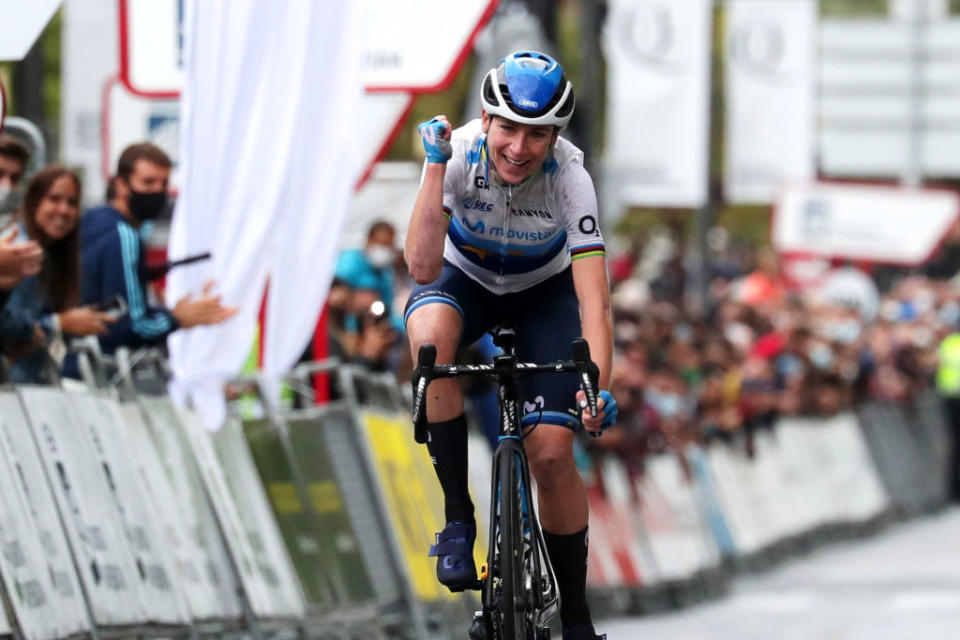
x: 206, y: 309
x: 19, y: 260
x: 84, y: 321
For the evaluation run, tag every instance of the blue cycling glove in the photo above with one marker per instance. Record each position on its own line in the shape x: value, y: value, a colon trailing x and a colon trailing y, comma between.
x: 438, y: 149
x: 609, y: 408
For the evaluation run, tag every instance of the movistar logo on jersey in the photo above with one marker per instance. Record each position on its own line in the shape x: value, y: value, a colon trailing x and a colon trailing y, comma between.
x: 532, y: 213
x: 479, y: 227
x: 475, y: 203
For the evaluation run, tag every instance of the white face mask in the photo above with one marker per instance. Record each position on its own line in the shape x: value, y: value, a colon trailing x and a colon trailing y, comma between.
x: 379, y: 256
x: 5, y: 193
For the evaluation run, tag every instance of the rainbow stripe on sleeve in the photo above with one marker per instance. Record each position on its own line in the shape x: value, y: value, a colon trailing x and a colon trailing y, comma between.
x: 447, y: 212
x: 587, y: 250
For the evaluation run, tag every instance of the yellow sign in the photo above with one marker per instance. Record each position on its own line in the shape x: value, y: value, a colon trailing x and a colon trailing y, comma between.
x: 414, y: 498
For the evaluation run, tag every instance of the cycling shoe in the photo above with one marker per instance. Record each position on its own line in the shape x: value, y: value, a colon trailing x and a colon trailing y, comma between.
x: 582, y: 632
x: 454, y: 552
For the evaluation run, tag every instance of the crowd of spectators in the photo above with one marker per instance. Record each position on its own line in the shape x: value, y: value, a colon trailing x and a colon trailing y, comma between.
x: 64, y: 275
x: 764, y: 349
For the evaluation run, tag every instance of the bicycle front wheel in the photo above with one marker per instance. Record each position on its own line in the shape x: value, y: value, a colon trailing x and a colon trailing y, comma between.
x: 512, y: 601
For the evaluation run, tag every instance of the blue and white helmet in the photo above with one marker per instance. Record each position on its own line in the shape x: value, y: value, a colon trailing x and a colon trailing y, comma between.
x: 528, y: 87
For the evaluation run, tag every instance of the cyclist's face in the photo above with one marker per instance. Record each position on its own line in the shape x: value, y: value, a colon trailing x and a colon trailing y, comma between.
x: 517, y: 150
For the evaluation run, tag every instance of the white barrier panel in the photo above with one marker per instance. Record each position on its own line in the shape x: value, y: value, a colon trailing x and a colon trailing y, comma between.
x: 193, y: 510
x: 35, y: 560
x: 160, y: 597
x: 613, y: 560
x: 103, y: 557
x: 5, y: 629
x: 678, y: 533
x: 856, y: 481
x: 255, y: 582
x: 800, y: 486
x: 258, y: 520
x: 747, y: 526
x: 624, y: 499
x: 189, y: 557
x: 803, y: 439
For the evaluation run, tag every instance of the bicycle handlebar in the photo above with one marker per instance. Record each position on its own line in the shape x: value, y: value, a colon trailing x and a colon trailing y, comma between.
x: 427, y: 371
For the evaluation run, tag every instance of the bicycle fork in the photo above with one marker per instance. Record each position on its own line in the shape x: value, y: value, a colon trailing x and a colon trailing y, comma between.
x: 540, y: 582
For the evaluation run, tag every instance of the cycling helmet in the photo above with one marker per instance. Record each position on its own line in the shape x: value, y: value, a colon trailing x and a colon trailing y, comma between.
x: 528, y: 87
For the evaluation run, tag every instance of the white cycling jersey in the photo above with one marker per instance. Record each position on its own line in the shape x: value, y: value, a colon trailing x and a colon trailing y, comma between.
x: 511, y: 237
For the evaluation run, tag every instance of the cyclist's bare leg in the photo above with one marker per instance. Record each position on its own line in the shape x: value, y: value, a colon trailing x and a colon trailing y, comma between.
x: 563, y: 516
x: 562, y: 496
x: 440, y: 325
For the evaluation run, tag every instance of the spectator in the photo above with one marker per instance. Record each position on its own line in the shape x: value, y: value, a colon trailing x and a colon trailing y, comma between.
x: 17, y: 259
x: 44, y: 306
x: 113, y: 255
x: 372, y: 267
x: 13, y: 164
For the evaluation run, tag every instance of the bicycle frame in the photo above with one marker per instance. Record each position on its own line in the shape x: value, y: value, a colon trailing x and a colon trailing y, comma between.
x: 539, y: 586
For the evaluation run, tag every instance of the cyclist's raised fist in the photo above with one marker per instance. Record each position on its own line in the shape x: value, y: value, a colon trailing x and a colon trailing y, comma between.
x: 435, y: 135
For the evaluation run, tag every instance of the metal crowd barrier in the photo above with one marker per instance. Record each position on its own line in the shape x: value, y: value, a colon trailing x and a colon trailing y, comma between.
x: 121, y: 516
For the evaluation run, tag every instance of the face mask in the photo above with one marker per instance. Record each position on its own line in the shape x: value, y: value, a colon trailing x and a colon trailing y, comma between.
x: 379, y: 256
x: 147, y: 206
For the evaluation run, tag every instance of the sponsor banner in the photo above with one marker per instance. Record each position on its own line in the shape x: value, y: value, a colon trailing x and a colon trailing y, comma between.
x: 198, y: 576
x: 413, y: 497
x: 103, y: 556
x: 263, y: 584
x: 101, y: 421
x: 658, y: 93
x: 192, y: 508
x: 318, y: 535
x: 678, y: 534
x: 35, y: 560
x: 257, y: 519
x: 152, y: 41
x: 770, y: 102
x: 863, y: 222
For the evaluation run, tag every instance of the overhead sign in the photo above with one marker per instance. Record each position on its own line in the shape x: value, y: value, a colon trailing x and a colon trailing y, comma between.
x: 152, y: 34
x: 864, y: 222
x: 20, y: 25
x: 867, y: 99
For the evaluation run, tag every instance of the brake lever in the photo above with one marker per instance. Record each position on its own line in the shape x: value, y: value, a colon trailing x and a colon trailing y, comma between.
x: 589, y: 378
x: 426, y: 358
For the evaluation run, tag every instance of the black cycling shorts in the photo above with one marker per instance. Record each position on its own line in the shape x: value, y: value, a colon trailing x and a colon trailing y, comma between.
x: 547, y: 318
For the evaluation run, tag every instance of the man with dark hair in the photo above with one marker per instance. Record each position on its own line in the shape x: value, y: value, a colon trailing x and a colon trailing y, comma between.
x: 113, y: 256
x: 17, y: 259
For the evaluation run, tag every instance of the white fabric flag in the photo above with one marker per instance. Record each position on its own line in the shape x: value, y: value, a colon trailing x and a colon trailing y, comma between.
x: 261, y: 81
x: 658, y: 100
x: 770, y: 96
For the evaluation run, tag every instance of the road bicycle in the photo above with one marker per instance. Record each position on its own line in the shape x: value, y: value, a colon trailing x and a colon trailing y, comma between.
x: 518, y: 587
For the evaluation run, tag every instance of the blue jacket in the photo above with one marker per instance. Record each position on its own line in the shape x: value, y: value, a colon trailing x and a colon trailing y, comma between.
x: 25, y: 309
x: 112, y: 263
